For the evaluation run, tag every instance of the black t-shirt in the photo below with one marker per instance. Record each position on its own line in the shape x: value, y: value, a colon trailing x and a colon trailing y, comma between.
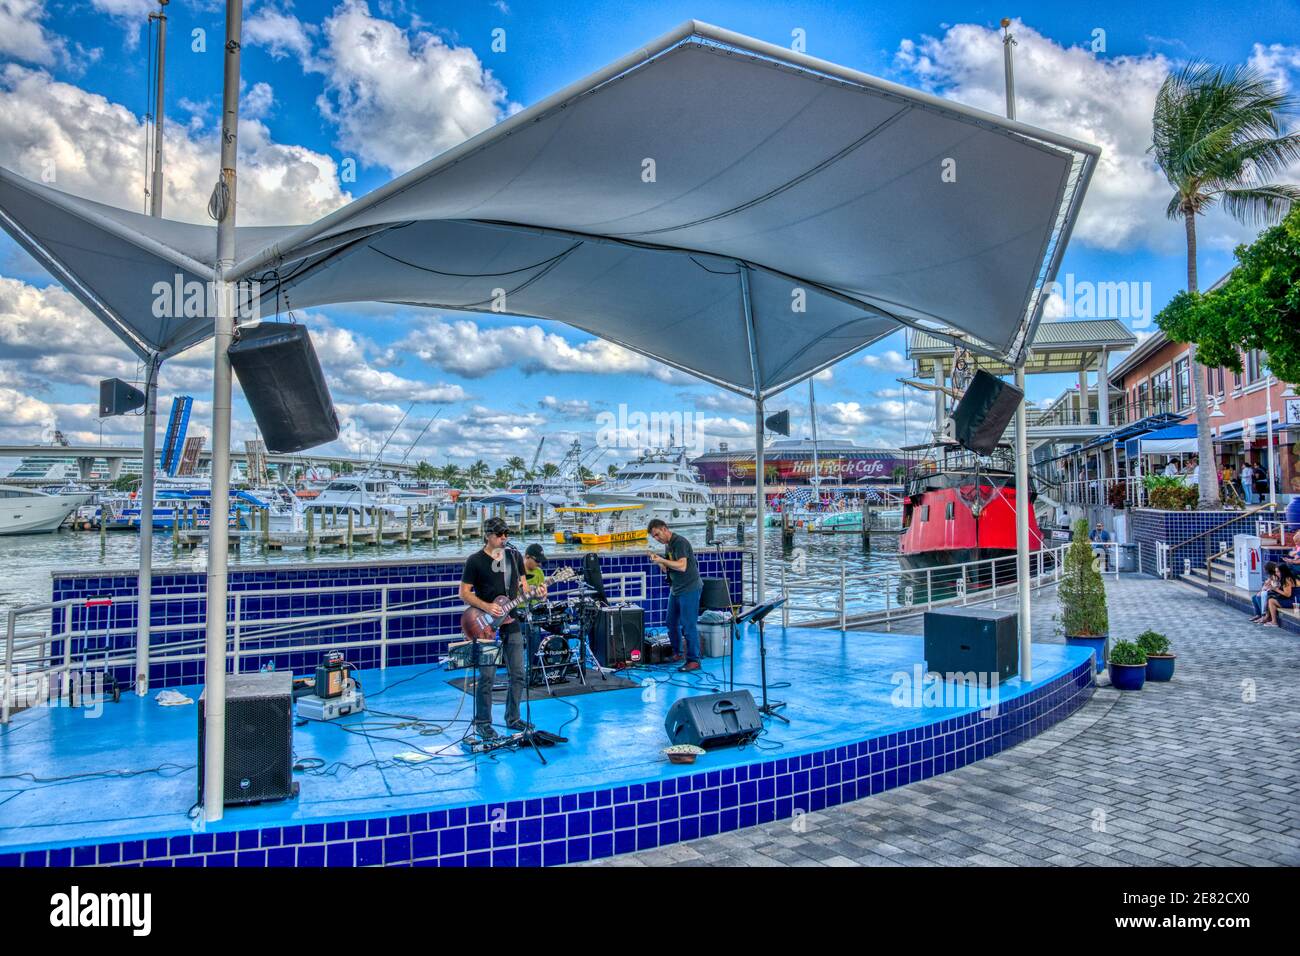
x: 689, y: 579
x: 489, y: 584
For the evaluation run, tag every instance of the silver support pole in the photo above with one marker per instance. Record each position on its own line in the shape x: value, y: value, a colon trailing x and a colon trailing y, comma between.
x: 1022, y: 533
x: 156, y: 186
x: 218, y: 535
x: 144, y: 588
x: 1272, y: 482
x: 144, y: 596
x: 760, y: 502
x: 1022, y: 443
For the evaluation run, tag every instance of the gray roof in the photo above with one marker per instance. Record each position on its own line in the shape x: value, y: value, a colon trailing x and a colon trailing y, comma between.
x: 1060, y: 346
x: 797, y: 213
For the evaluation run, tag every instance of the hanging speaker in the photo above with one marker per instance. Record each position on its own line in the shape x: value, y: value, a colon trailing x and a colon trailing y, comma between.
x: 779, y: 423
x: 285, y: 387
x: 984, y: 412
x: 116, y: 397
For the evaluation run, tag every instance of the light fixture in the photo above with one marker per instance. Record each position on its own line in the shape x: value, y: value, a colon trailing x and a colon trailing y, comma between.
x: 1217, y: 412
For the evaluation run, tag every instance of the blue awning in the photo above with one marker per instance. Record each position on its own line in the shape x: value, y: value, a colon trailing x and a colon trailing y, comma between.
x: 1170, y: 434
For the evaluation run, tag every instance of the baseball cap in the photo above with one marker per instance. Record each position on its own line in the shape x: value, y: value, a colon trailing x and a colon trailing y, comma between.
x: 535, y: 552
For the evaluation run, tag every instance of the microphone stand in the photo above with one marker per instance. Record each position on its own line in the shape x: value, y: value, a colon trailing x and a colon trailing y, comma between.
x: 758, y: 615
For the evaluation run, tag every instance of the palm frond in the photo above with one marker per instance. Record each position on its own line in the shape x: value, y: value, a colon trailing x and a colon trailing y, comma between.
x: 1260, y: 205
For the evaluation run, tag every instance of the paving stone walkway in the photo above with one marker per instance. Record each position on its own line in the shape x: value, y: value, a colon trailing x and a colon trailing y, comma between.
x: 1201, y: 770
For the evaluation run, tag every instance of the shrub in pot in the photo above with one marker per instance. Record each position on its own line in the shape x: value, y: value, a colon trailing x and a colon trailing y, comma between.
x: 1127, y: 666
x: 1083, y: 597
x: 1160, y: 663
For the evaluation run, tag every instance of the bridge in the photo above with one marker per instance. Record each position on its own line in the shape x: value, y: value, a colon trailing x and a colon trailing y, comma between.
x: 114, y: 457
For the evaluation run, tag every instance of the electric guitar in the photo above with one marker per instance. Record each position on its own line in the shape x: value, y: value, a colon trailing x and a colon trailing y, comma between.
x: 480, y: 625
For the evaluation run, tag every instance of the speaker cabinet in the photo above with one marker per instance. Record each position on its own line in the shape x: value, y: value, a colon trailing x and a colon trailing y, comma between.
x: 976, y: 640
x: 618, y: 630
x: 714, y: 720
x: 259, y: 738
x: 984, y: 412
x: 285, y: 387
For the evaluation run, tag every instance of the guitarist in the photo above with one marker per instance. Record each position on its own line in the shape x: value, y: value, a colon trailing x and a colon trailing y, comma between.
x: 497, y: 571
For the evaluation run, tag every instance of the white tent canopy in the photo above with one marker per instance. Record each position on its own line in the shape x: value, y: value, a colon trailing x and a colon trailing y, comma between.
x: 731, y: 208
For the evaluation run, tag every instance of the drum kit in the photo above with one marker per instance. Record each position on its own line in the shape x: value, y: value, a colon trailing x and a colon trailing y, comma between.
x: 559, y: 634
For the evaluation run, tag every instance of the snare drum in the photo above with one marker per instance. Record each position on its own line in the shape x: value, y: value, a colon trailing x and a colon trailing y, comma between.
x: 550, y: 616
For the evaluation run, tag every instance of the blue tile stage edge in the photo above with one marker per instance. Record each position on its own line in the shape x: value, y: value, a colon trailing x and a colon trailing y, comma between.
x: 860, y: 726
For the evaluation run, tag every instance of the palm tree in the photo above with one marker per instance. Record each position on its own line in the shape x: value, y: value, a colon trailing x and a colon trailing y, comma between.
x: 477, y: 473
x: 516, y: 464
x: 451, y: 474
x: 1218, y: 137
x: 550, y: 469
x: 612, y: 470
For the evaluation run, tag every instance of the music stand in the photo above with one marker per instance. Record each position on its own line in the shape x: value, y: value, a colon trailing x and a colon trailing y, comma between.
x: 757, y: 615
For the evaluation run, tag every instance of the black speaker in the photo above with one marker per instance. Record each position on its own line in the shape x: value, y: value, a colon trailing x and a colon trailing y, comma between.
x: 984, y: 412
x: 116, y: 397
x: 619, y: 630
x: 714, y: 720
x: 779, y: 423
x: 592, y: 577
x: 285, y: 387
x: 715, y: 595
x: 977, y: 640
x: 259, y: 738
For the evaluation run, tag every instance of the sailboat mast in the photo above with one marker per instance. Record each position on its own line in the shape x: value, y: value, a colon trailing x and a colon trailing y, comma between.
x: 812, y: 411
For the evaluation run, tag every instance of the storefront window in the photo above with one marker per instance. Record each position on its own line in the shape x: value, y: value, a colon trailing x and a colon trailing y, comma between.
x: 1161, y: 390
x: 1183, y: 379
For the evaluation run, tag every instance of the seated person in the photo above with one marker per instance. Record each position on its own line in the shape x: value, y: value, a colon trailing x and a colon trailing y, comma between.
x: 1282, y: 595
x: 1100, y: 538
x: 1260, y: 599
x: 1292, y: 558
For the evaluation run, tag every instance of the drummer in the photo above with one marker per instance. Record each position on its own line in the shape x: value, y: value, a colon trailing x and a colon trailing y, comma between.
x: 534, y: 576
x: 534, y: 558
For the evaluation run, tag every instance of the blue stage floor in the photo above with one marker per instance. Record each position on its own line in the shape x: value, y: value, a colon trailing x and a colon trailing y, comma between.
x: 839, y: 688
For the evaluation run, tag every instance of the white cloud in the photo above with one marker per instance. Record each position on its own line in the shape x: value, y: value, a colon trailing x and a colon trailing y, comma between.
x: 93, y: 147
x: 1103, y: 100
x: 23, y: 36
x: 465, y: 348
x: 888, y: 361
x: 280, y: 33
x: 572, y: 408
x: 399, y: 97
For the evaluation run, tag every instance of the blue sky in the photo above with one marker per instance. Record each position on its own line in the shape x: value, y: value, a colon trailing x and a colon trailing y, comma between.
x: 379, y: 87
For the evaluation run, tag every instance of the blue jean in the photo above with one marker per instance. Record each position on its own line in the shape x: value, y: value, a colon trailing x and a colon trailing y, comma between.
x: 683, y: 615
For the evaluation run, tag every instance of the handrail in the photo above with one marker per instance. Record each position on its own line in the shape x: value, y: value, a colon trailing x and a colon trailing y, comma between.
x: 1219, y: 527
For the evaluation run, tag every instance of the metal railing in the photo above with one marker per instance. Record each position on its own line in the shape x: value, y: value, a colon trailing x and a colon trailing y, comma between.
x: 899, y: 594
x: 1096, y: 491
x: 37, y: 656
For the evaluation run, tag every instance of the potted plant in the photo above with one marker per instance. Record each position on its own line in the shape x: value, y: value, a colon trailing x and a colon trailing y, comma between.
x: 1128, y: 666
x: 1083, y: 597
x: 1160, y: 663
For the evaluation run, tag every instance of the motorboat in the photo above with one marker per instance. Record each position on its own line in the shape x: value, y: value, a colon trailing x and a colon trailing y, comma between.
x: 28, y: 511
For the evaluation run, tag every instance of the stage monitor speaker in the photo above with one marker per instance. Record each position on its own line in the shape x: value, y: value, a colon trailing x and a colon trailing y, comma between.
x: 984, y: 412
x: 714, y: 720
x: 285, y: 387
x: 259, y: 738
x: 116, y: 397
x: 715, y: 595
x: 779, y: 423
x: 619, y: 630
x: 975, y: 640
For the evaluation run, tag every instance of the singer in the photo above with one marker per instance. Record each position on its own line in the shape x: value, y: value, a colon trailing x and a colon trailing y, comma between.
x: 497, y: 570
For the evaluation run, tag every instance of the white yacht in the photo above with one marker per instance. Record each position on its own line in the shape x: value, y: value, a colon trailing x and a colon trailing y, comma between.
x: 660, y: 481
x: 28, y: 511
x: 363, y: 495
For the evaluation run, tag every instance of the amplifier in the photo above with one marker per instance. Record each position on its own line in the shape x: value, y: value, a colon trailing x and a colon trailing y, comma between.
x: 714, y: 720
x: 259, y: 738
x: 658, y: 649
x: 618, y: 630
x: 972, y: 640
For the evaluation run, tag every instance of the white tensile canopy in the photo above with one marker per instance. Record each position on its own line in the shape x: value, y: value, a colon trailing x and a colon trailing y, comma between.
x: 736, y: 210
x: 744, y: 213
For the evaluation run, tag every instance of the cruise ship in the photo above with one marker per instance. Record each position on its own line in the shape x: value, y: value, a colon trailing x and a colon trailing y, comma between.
x: 662, y: 483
